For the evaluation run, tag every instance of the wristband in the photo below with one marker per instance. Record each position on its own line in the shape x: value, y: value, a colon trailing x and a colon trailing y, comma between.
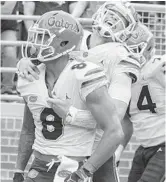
x: 89, y: 167
x: 88, y: 173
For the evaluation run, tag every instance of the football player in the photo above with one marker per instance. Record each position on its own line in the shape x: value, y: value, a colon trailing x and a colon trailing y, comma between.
x: 148, y: 117
x: 127, y: 67
x: 63, y: 151
x: 147, y: 109
x: 147, y: 113
x: 142, y: 47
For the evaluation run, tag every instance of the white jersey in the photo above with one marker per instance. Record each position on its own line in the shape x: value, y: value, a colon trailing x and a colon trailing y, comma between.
x: 114, y: 58
x: 52, y: 135
x: 147, y: 111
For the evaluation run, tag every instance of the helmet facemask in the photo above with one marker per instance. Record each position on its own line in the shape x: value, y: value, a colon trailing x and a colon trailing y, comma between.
x: 39, y: 46
x: 38, y: 43
x: 141, y: 44
x: 109, y: 22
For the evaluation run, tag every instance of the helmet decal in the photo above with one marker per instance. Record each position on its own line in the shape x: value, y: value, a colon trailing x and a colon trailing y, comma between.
x: 62, y: 23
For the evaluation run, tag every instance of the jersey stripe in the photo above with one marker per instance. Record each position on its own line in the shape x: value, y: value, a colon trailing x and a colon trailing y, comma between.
x: 97, y: 70
x: 92, y: 81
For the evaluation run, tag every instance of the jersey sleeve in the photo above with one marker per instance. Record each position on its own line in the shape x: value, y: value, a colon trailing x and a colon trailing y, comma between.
x: 127, y: 63
x: 90, y: 78
x: 34, y: 93
x: 81, y: 118
x: 120, y: 83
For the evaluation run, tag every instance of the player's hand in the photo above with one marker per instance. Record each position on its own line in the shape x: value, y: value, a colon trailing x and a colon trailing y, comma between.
x: 18, y: 177
x: 156, y: 66
x: 60, y: 107
x: 79, y: 176
x: 26, y: 69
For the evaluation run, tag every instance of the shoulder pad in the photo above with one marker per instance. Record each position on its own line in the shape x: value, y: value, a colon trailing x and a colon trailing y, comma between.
x: 89, y: 77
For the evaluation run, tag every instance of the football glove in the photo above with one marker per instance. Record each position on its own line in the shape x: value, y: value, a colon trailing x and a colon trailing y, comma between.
x: 18, y: 177
x: 81, y: 175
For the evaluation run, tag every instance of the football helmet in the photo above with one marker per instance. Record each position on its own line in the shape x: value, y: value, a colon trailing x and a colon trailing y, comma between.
x: 115, y: 20
x: 56, y: 33
x: 141, y: 43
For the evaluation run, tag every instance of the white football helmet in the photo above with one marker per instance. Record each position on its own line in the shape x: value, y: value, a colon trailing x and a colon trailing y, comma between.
x: 141, y: 43
x: 115, y: 20
x: 55, y: 34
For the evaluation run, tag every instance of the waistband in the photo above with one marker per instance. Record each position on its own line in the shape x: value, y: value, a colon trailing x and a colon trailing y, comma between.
x: 48, y: 158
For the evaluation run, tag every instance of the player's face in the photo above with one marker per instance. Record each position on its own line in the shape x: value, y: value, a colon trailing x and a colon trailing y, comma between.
x: 103, y: 31
x: 115, y: 21
x: 40, y: 40
x: 109, y: 23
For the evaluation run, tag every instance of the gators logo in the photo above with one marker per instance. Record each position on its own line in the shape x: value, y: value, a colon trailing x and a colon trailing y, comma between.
x: 64, y: 173
x: 33, y: 98
x: 33, y: 173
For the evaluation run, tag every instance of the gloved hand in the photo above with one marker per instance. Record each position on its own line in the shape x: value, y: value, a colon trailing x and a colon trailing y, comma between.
x: 18, y: 177
x: 81, y: 175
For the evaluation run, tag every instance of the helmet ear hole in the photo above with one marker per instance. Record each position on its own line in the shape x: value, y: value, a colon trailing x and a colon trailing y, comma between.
x: 64, y: 43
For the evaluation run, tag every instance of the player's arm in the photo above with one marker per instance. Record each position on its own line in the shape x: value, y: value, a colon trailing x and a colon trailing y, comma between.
x: 72, y: 115
x: 127, y: 127
x: 120, y: 92
x: 94, y: 92
x: 103, y: 110
x: 26, y: 90
x: 25, y: 144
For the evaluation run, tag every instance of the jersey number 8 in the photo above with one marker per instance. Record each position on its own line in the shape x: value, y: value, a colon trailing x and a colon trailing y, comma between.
x: 78, y: 66
x: 52, y: 124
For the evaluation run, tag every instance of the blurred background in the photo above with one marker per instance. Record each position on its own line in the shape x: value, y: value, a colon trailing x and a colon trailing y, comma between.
x: 16, y: 18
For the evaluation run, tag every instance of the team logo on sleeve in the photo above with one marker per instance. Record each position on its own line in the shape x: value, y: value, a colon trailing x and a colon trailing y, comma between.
x: 32, y: 98
x: 85, y: 54
x: 33, y: 173
x: 64, y: 173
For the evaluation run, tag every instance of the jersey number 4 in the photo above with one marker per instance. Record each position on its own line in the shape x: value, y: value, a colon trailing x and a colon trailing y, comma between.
x: 145, y: 94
